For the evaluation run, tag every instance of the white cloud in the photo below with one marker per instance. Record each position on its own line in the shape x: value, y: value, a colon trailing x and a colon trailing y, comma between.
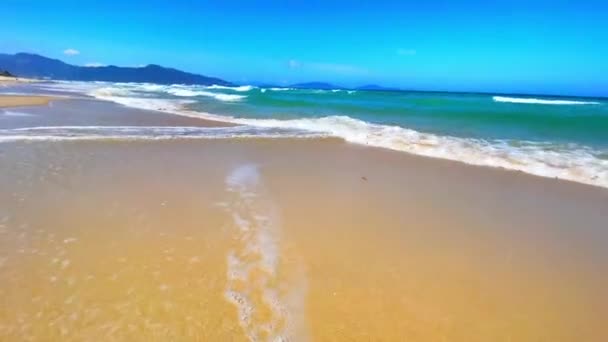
x: 406, y: 52
x: 71, y: 52
x: 94, y: 65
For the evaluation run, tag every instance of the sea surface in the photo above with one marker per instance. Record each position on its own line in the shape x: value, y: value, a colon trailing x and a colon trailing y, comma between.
x: 556, y: 137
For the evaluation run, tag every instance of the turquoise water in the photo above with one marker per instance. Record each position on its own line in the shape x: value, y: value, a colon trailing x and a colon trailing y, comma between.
x: 555, y: 137
x: 461, y: 115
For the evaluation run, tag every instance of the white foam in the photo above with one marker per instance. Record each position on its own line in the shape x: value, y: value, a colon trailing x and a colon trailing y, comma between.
x: 69, y: 133
x: 540, y: 101
x: 239, y: 88
x: 217, y: 96
x: 15, y: 114
x: 579, y: 164
x: 152, y: 87
x: 280, y: 89
x: 256, y: 254
x: 112, y: 91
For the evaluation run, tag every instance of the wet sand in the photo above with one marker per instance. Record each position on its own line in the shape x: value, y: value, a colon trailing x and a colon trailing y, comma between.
x: 23, y: 101
x: 85, y: 112
x: 310, y: 239
x: 307, y: 239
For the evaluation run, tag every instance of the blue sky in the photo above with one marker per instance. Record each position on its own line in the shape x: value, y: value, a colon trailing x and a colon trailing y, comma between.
x: 529, y: 46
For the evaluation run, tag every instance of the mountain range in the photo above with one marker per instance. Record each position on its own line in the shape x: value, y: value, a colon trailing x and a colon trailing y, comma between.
x: 36, y: 66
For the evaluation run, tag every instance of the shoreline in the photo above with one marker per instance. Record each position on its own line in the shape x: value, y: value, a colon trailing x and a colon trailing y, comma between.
x: 497, y: 153
x: 184, y: 111
x: 189, y: 118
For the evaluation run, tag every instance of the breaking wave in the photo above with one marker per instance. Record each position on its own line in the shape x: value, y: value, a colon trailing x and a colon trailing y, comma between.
x: 239, y: 88
x: 217, y: 96
x: 541, y: 101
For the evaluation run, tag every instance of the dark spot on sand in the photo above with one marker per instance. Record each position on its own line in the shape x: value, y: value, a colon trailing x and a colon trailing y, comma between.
x: 364, y: 178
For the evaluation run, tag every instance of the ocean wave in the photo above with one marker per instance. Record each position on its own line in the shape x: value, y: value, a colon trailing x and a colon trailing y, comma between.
x: 152, y: 87
x: 217, y: 96
x: 167, y: 105
x: 62, y: 133
x: 540, y: 101
x: 579, y: 164
x: 112, y: 91
x: 280, y: 89
x: 239, y: 88
x: 575, y: 163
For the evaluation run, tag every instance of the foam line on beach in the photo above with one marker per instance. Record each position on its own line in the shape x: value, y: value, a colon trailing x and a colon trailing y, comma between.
x: 67, y: 133
x: 253, y: 264
x: 15, y: 114
x: 525, y: 100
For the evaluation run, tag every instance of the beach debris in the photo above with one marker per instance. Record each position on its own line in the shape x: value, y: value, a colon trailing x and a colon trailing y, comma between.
x: 364, y: 178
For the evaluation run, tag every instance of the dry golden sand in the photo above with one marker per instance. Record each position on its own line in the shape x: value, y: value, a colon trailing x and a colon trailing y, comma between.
x: 24, y: 100
x: 149, y: 241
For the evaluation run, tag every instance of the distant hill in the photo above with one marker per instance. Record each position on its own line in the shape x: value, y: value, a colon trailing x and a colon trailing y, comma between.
x: 315, y: 85
x: 36, y: 66
x: 6, y: 73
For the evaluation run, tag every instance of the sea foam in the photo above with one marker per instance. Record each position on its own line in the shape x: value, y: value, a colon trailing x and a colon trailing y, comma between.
x: 253, y: 281
x: 579, y: 164
x: 217, y: 96
x: 540, y: 101
x: 239, y: 88
x: 68, y: 133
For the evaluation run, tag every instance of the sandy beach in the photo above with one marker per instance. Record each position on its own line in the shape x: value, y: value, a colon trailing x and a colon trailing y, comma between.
x: 7, y: 101
x: 5, y: 80
x: 10, y: 100
x: 303, y: 239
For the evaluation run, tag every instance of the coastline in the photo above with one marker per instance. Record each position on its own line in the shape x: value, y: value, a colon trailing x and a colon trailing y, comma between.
x: 259, y: 237
x: 116, y: 114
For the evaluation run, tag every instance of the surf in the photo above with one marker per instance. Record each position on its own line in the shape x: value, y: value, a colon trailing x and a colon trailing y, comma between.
x: 526, y: 100
x: 554, y: 159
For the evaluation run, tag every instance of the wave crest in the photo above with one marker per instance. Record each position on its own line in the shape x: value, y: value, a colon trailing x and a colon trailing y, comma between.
x: 540, y: 101
x: 217, y: 96
x: 239, y: 88
x: 579, y: 164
